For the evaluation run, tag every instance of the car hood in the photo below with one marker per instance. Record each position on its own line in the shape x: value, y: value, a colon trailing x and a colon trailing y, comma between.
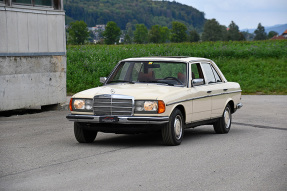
x: 138, y: 91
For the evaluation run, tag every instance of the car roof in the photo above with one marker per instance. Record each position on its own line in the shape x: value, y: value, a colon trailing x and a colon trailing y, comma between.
x: 167, y: 59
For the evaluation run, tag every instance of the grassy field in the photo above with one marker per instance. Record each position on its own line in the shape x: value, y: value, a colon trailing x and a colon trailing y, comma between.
x: 259, y: 66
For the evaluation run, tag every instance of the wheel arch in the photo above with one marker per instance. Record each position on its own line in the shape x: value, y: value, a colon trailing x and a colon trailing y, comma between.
x: 230, y: 102
x: 182, y: 110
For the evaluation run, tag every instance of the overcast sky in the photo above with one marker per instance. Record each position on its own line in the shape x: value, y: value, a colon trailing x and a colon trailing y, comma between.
x: 245, y: 13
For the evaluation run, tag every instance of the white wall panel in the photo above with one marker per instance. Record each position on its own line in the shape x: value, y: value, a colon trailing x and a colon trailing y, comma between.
x: 60, y: 33
x: 52, y: 33
x: 43, y: 33
x: 3, y: 32
x: 27, y: 80
x: 12, y: 32
x: 33, y: 35
x: 58, y: 37
x: 23, y: 31
x: 32, y: 32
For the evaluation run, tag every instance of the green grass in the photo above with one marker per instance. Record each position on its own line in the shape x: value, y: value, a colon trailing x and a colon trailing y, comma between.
x: 256, y: 75
x: 259, y: 66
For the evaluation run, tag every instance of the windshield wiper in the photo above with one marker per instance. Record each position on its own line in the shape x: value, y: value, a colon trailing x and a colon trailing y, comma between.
x: 170, y: 84
x: 159, y: 82
x: 164, y: 82
x: 120, y: 81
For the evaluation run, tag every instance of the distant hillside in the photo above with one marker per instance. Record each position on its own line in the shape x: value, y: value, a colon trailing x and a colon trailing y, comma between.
x: 148, y: 12
x: 277, y: 28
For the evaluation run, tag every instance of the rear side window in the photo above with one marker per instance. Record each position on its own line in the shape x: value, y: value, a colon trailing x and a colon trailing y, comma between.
x: 217, y: 78
x: 211, y: 76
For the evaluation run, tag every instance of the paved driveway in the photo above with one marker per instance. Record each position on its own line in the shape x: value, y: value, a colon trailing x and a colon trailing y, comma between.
x: 39, y: 152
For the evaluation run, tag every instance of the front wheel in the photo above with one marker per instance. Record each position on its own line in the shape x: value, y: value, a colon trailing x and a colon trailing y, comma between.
x: 83, y: 135
x: 172, y: 132
x: 223, y: 124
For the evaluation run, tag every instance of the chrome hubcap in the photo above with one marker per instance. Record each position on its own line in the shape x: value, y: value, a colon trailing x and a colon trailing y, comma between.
x: 178, y: 127
x: 227, y: 118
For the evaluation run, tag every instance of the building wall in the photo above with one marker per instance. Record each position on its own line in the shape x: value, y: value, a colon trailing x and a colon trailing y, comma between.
x: 32, y: 56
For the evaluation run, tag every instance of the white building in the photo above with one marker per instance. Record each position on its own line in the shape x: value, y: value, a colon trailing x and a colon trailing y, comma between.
x: 32, y: 53
x: 97, y: 30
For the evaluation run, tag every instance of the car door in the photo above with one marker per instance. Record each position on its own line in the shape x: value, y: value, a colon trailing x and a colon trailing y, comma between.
x: 216, y: 89
x: 201, y: 102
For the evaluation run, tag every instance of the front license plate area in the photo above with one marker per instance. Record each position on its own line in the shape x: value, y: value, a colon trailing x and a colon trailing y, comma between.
x: 109, y: 119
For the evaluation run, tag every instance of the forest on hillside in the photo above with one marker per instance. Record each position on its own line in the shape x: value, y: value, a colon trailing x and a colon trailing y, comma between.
x: 148, y: 12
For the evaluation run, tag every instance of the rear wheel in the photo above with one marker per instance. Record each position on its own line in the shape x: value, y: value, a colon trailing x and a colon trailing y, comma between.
x: 83, y: 135
x: 172, y: 132
x: 223, y: 124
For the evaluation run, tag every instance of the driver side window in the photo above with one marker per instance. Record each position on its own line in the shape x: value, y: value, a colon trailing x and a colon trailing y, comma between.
x: 196, y: 71
x: 197, y: 75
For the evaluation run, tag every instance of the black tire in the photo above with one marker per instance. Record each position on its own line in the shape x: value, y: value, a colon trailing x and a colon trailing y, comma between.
x: 83, y: 135
x: 172, y: 132
x: 223, y: 124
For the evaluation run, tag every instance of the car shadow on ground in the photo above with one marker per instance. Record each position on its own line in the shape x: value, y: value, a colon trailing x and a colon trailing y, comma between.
x: 148, y: 139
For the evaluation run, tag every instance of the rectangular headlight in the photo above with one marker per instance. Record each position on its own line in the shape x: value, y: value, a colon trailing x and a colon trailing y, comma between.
x: 149, y: 106
x: 81, y: 104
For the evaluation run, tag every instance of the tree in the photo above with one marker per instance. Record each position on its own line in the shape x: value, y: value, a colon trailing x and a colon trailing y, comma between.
x: 178, y: 32
x: 193, y: 36
x: 247, y: 36
x: 242, y: 37
x: 164, y: 34
x: 129, y: 34
x: 127, y: 39
x: 148, y: 12
x: 260, y: 33
x: 78, y: 32
x: 233, y: 32
x: 213, y: 31
x: 141, y: 34
x: 223, y: 33
x: 155, y: 34
x: 112, y: 33
x: 272, y: 34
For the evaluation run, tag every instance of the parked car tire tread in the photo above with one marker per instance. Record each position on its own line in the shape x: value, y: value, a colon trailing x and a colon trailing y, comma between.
x: 168, y: 132
x: 220, y: 124
x: 82, y: 135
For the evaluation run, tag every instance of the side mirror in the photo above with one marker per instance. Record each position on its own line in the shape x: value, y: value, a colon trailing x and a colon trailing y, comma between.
x: 103, y: 79
x: 197, y: 82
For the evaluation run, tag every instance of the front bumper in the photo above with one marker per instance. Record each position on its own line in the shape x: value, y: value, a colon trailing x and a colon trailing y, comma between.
x: 121, y: 119
x: 239, y: 105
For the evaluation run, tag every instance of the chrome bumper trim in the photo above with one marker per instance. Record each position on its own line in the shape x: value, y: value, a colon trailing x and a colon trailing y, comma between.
x: 239, y: 105
x: 122, y: 119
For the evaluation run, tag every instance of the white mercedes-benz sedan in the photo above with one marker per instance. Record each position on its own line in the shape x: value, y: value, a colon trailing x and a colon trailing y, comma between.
x: 166, y: 94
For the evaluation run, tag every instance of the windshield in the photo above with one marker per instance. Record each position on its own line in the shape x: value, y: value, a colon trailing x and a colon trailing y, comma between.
x: 169, y: 73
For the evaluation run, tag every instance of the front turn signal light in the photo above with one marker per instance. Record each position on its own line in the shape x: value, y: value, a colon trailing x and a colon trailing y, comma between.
x: 161, y: 106
x: 70, y: 105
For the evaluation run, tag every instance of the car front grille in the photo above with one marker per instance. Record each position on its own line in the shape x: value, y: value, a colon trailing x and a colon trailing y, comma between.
x: 113, y: 105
